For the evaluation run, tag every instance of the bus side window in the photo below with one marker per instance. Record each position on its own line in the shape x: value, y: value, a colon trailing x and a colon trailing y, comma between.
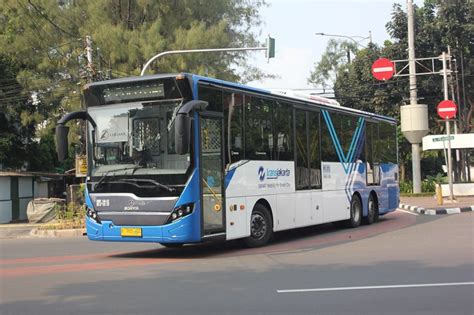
x: 302, y: 163
x: 387, y: 141
x: 373, y: 160
x: 283, y: 132
x: 258, y: 128
x: 212, y: 96
x: 233, y: 114
x: 314, y: 150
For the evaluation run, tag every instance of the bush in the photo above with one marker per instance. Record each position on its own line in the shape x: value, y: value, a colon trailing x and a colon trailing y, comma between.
x: 71, y: 216
x: 428, y: 186
x: 406, y: 187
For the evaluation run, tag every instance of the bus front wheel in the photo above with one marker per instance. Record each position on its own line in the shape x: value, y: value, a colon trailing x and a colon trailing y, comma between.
x: 261, y: 227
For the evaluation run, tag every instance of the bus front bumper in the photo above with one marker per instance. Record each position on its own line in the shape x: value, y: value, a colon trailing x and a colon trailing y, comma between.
x: 180, y: 231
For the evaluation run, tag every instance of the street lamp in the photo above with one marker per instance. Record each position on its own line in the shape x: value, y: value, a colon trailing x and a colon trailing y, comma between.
x: 352, y: 38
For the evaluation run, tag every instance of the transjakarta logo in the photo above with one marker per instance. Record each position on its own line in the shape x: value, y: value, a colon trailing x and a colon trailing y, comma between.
x: 272, y: 173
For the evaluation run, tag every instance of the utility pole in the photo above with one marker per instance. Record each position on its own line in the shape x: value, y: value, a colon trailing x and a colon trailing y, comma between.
x: 414, y: 117
x: 90, y: 65
x: 446, y: 97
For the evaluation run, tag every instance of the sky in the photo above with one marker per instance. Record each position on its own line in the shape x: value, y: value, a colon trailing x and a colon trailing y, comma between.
x: 293, y: 23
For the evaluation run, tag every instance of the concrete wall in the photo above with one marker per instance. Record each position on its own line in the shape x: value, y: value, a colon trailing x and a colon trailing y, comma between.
x: 41, y: 189
x: 15, y: 194
x: 462, y: 189
x: 5, y: 200
x: 25, y: 194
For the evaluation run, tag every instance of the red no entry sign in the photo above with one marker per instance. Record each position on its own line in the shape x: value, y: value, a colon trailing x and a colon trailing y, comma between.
x: 383, y: 69
x: 447, y: 109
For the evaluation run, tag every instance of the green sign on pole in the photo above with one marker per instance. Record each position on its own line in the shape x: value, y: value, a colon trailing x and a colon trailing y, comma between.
x: 270, y: 53
x: 445, y: 138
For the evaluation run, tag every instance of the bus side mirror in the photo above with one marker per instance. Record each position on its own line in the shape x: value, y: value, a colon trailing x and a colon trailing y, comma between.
x: 62, y: 132
x: 182, y: 133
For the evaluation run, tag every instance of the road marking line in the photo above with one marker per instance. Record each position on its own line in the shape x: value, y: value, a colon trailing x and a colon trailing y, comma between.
x: 422, y: 285
x: 409, y: 212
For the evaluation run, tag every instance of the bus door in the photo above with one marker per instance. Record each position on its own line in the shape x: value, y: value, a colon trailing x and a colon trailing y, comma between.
x: 212, y: 173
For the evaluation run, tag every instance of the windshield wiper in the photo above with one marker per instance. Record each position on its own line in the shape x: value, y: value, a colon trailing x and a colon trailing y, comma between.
x: 135, y: 181
x: 134, y: 168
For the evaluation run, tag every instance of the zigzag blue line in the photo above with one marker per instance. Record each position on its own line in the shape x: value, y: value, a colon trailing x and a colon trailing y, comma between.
x: 358, y: 147
x: 335, y: 140
x: 355, y: 139
x: 333, y: 134
x: 346, y: 160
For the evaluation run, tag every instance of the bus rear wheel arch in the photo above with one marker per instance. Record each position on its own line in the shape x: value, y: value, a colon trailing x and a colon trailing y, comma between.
x: 261, y: 226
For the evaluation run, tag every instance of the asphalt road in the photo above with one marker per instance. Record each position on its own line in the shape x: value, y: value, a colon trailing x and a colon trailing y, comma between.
x: 405, y: 264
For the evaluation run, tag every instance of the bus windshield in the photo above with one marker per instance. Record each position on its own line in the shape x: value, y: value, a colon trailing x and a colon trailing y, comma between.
x: 136, y: 138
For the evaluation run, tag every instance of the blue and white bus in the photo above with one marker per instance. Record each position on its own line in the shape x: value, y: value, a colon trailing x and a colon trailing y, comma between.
x: 182, y: 158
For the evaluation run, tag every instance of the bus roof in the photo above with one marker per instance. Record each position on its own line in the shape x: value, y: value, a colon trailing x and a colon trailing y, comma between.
x: 282, y: 94
x: 294, y: 95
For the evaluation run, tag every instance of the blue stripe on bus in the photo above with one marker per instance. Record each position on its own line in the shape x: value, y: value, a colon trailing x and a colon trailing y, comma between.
x: 334, y: 138
x: 355, y: 139
x: 351, y: 153
x: 228, y: 177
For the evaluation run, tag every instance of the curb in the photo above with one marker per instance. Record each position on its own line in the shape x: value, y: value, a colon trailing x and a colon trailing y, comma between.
x: 58, y: 233
x: 435, y: 211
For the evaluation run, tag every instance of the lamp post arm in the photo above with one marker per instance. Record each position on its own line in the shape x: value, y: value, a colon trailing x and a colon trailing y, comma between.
x: 350, y: 37
x: 175, y: 52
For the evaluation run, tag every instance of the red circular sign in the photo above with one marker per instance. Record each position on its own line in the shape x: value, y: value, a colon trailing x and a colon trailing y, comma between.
x: 383, y: 69
x: 447, y: 109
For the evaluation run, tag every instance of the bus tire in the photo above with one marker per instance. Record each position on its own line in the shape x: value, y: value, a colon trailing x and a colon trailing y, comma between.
x: 261, y: 227
x: 356, y: 212
x: 372, y: 210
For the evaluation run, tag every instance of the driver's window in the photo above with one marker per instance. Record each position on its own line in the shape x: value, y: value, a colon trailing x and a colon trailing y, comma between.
x: 147, y: 135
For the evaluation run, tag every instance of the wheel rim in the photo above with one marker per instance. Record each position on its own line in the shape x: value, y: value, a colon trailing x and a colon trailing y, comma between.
x: 356, y: 211
x: 258, y: 226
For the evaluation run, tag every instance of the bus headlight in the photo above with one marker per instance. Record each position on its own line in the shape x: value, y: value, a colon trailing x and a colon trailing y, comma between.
x: 92, y: 214
x: 180, y: 212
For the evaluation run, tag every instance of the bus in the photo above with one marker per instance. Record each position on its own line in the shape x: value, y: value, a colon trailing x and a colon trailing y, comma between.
x: 181, y: 158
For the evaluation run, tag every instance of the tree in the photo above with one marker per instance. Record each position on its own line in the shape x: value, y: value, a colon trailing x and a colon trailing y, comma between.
x: 437, y: 24
x: 45, y: 40
x: 335, y: 59
x: 15, y: 129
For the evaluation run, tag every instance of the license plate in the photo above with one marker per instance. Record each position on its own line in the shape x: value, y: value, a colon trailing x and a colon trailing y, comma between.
x: 133, y: 232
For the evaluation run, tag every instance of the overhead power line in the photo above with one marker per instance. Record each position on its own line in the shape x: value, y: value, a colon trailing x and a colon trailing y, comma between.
x: 43, y: 15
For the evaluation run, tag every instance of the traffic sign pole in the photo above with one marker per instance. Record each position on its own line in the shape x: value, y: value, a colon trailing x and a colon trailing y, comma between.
x: 448, y: 133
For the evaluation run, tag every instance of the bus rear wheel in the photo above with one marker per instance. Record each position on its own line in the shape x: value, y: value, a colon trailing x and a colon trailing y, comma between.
x: 356, y: 212
x: 261, y: 227
x: 373, y: 210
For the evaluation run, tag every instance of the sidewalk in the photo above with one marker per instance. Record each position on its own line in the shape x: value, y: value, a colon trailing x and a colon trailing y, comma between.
x: 25, y: 230
x: 17, y: 230
x: 429, y: 206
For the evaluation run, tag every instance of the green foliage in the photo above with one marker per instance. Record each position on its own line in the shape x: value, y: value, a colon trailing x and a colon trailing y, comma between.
x: 16, y: 127
x: 333, y: 61
x: 438, y: 179
x: 406, y: 187
x: 44, y: 41
x: 427, y: 186
x: 71, y: 216
x: 437, y: 24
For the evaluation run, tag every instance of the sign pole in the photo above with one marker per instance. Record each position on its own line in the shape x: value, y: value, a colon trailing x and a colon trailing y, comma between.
x: 450, y: 173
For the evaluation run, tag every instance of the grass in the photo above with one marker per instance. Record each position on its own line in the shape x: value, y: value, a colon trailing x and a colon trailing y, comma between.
x: 67, y: 217
x: 423, y: 194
